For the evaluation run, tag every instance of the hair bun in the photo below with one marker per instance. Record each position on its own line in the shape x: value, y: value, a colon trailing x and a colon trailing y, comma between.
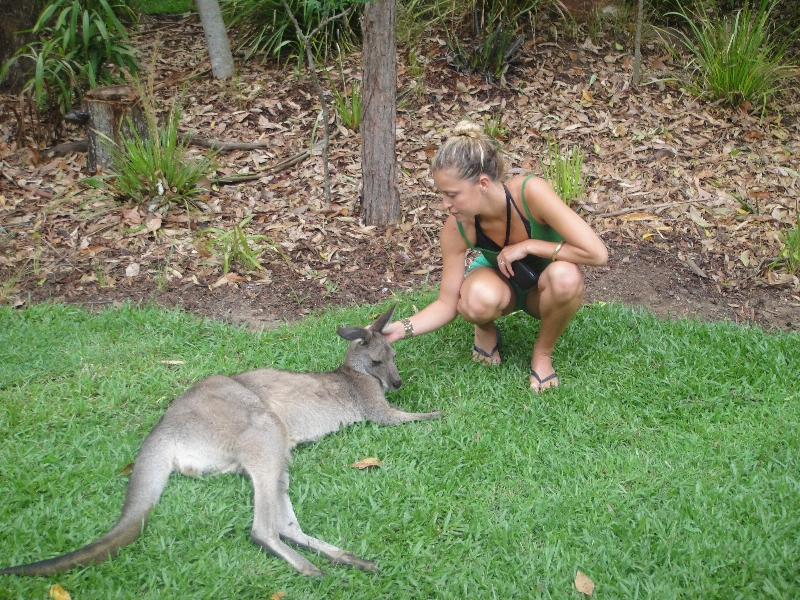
x: 468, y: 129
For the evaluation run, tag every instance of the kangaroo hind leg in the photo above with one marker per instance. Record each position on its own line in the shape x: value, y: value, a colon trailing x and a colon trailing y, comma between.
x: 264, y: 469
x: 290, y: 530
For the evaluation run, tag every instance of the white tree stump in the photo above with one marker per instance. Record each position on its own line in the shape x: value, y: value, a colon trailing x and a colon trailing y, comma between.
x: 112, y: 109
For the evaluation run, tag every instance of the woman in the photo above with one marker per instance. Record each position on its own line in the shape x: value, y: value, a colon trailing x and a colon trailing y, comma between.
x: 521, y: 220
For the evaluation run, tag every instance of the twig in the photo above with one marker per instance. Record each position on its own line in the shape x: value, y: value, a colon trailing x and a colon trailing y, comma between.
x: 312, y: 67
x: 277, y: 168
x: 203, y: 142
x: 632, y: 209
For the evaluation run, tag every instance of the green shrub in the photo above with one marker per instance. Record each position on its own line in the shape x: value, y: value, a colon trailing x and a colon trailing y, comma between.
x: 79, y: 43
x: 790, y: 253
x: 155, y: 171
x: 263, y: 27
x: 495, y: 38
x: 735, y: 58
x: 563, y: 172
x: 235, y: 247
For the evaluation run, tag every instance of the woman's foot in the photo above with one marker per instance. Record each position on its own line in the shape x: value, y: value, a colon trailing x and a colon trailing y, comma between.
x: 484, y: 338
x: 543, y: 375
x: 539, y: 384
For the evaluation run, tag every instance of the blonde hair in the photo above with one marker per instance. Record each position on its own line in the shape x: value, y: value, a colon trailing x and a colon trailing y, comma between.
x: 471, y: 153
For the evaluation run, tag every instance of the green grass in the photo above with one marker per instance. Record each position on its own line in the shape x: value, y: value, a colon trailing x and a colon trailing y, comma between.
x: 666, y: 465
x: 164, y: 7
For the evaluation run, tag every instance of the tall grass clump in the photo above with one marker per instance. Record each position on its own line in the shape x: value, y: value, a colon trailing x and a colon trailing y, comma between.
x: 736, y: 59
x: 263, y: 27
x: 348, y: 102
x: 155, y: 171
x: 80, y: 45
x: 492, y: 40
x: 563, y: 171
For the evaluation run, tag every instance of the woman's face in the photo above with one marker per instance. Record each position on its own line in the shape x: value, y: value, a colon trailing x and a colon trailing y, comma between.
x: 461, y: 197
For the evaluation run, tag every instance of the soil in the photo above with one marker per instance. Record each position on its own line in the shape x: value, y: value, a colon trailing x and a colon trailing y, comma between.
x: 636, y: 275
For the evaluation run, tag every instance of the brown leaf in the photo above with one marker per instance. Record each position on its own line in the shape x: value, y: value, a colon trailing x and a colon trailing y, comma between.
x: 583, y: 584
x: 639, y: 216
x: 277, y: 596
x: 367, y: 462
x: 126, y: 470
x: 57, y: 592
x: 132, y: 215
x: 152, y: 222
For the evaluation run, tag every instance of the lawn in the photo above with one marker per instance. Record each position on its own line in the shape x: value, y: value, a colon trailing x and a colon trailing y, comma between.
x: 666, y: 465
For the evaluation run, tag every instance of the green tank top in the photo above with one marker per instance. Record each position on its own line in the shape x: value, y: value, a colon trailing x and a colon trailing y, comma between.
x: 537, y: 232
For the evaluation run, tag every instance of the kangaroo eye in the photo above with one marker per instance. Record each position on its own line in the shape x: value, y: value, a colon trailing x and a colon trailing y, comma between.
x: 375, y: 363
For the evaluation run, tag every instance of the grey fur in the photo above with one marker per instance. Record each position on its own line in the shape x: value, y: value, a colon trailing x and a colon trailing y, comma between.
x: 249, y: 423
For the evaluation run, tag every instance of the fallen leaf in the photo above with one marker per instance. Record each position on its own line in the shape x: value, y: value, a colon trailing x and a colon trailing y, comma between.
x: 367, y: 462
x: 132, y: 270
x: 658, y: 64
x: 583, y: 584
x: 277, y: 596
x: 132, y: 215
x: 126, y: 470
x: 745, y: 258
x: 152, y: 222
x: 58, y: 593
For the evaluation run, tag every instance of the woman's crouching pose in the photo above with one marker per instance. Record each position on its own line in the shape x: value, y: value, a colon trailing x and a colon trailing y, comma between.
x: 531, y: 244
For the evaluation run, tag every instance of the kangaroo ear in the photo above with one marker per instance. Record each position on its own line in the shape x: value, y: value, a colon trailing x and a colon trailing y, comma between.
x: 382, y: 321
x: 354, y: 333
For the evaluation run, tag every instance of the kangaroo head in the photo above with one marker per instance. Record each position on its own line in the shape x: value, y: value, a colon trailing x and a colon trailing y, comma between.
x: 370, y: 353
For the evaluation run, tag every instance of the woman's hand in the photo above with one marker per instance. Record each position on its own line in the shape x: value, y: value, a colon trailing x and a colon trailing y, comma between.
x: 394, y: 331
x: 511, y: 253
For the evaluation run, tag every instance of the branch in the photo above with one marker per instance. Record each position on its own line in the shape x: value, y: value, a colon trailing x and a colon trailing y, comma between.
x: 276, y: 168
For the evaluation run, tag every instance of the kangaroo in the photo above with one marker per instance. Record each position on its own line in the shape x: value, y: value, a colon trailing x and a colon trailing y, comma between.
x: 248, y: 423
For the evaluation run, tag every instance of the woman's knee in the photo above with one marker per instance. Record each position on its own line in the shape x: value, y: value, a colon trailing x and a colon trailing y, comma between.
x: 564, y: 281
x: 482, y: 302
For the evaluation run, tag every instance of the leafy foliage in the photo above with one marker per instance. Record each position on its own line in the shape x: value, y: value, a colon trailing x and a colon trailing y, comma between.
x: 735, y: 57
x: 263, y: 27
x: 235, y: 247
x: 79, y: 43
x: 348, y: 102
x: 495, y: 40
x: 790, y: 253
x: 155, y: 170
x: 563, y: 172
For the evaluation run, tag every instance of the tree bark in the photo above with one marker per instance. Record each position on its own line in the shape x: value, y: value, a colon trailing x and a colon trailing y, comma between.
x: 18, y: 15
x: 380, y: 196
x: 219, y: 47
x: 109, y: 109
x: 637, y: 54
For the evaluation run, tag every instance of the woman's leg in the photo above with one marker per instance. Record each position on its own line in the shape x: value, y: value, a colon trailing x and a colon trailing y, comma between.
x: 485, y: 296
x: 558, y: 297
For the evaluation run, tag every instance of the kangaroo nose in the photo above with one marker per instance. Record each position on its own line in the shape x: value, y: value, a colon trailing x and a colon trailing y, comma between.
x: 396, y: 383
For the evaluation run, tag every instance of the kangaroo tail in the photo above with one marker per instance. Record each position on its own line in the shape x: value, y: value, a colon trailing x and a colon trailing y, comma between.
x: 148, y: 478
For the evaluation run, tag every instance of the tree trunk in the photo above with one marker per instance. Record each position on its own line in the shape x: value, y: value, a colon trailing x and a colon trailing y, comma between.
x: 110, y: 109
x: 219, y: 48
x: 637, y: 54
x: 18, y: 15
x: 380, y: 196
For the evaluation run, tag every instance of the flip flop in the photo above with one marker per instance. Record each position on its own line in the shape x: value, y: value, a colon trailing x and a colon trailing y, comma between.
x: 535, y: 375
x: 489, y: 355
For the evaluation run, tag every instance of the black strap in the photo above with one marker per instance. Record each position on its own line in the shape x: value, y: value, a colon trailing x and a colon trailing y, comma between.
x: 508, y: 216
